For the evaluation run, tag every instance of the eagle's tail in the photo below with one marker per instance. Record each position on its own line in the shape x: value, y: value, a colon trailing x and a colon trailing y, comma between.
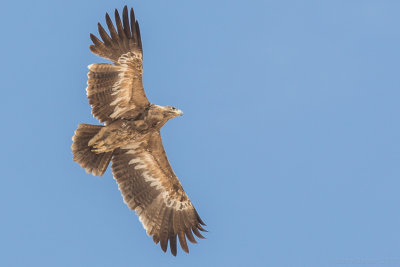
x: 95, y: 163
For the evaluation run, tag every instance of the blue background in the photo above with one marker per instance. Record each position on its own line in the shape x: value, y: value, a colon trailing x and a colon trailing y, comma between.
x: 289, y: 147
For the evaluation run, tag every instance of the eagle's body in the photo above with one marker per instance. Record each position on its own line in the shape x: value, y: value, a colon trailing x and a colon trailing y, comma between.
x: 131, y: 138
x: 125, y: 131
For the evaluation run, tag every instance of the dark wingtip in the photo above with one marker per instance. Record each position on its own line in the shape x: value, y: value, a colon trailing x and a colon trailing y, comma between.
x: 186, y: 249
x: 125, y: 11
x: 173, y: 244
x: 199, y: 219
x: 164, y: 242
x: 132, y: 15
x: 197, y: 233
x: 92, y: 37
x: 92, y: 48
x: 95, y: 40
x: 139, y: 35
x: 190, y: 236
x: 125, y: 20
x: 156, y: 239
x: 133, y: 29
x: 164, y: 246
x: 182, y: 241
x: 201, y: 228
x: 173, y: 251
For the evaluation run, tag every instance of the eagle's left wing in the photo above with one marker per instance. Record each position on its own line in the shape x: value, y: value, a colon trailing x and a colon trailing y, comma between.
x: 116, y: 90
x: 150, y: 187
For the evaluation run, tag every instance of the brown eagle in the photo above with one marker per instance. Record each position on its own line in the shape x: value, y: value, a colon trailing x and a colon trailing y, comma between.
x: 131, y: 139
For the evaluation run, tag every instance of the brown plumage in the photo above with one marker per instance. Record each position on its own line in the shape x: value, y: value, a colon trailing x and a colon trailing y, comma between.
x: 131, y: 137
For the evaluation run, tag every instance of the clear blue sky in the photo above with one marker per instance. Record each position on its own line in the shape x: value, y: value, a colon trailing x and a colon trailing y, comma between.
x: 289, y: 147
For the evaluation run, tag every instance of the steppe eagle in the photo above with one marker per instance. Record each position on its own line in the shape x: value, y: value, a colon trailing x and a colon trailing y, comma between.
x: 130, y: 137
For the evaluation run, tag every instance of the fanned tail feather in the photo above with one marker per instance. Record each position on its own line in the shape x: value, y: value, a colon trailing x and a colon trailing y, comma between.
x: 83, y: 154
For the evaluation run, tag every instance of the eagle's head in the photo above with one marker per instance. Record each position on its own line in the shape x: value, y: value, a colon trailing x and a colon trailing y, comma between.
x: 161, y: 114
x: 172, y: 112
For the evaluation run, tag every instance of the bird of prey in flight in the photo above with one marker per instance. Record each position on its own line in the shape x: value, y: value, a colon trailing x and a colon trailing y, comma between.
x: 130, y: 137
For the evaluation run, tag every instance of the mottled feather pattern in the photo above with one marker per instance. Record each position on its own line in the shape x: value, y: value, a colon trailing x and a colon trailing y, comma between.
x: 107, y: 91
x: 131, y: 137
x: 164, y: 211
x: 119, y: 94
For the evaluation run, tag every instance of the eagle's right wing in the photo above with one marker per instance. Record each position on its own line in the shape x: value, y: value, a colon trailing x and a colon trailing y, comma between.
x: 150, y: 187
x: 116, y: 90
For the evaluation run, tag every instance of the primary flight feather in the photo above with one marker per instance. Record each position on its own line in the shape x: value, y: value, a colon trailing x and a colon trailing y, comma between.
x: 131, y: 139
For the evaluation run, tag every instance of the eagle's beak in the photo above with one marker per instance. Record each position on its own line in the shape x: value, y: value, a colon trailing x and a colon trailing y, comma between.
x: 179, y: 112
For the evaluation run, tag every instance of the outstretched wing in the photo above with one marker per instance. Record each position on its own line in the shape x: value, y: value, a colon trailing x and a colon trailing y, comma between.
x: 150, y: 187
x: 116, y: 90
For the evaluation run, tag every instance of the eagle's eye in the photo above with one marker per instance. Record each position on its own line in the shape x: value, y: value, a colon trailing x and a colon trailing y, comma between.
x: 173, y: 108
